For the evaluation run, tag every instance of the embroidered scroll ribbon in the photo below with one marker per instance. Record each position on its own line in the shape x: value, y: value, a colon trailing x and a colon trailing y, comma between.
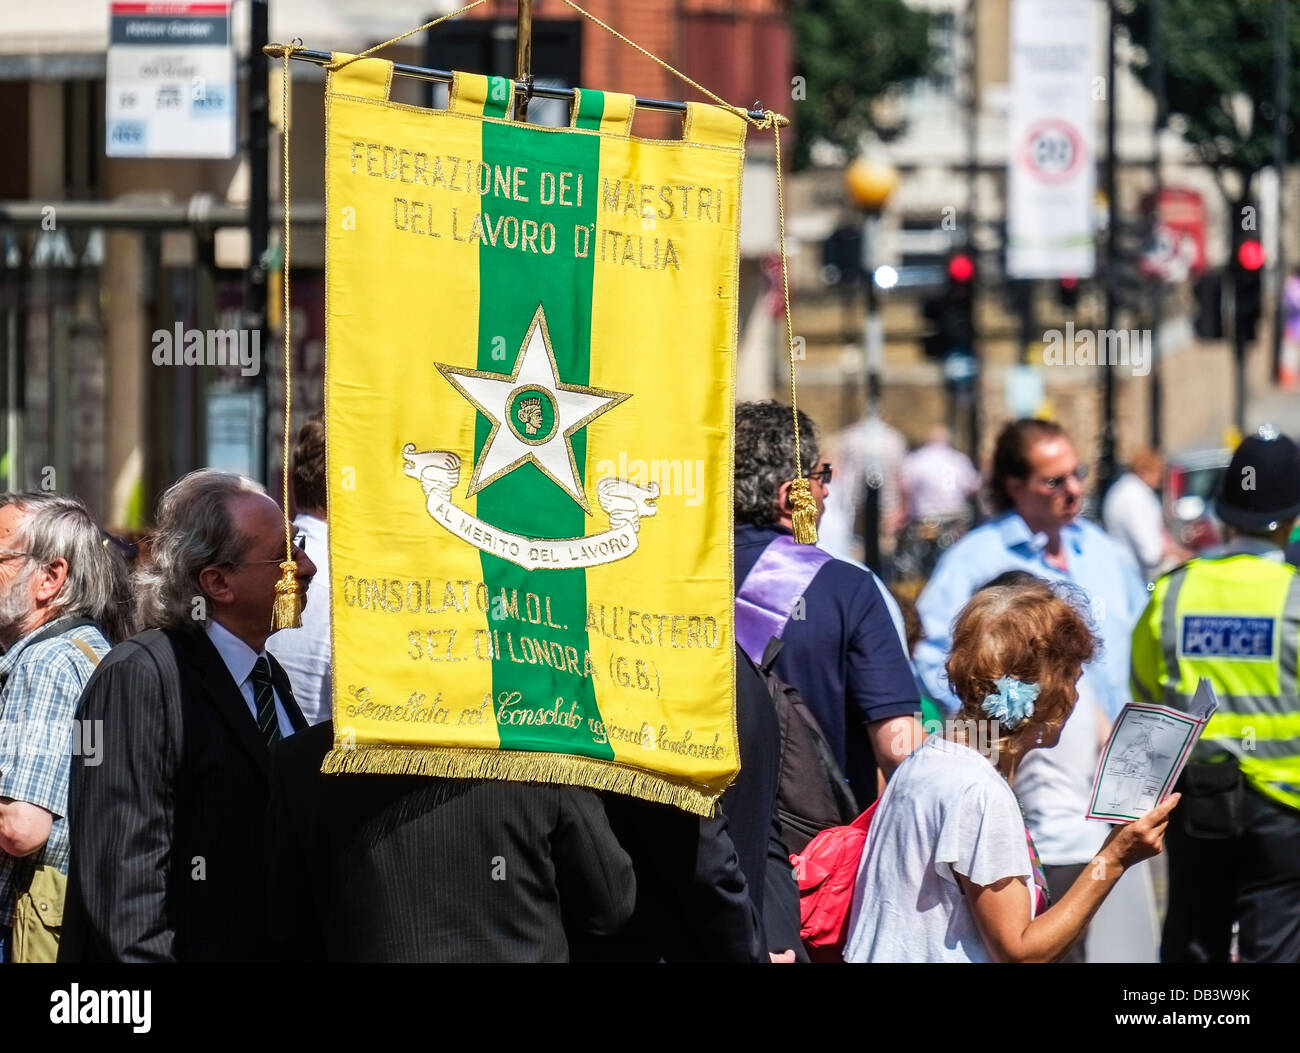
x: 625, y: 503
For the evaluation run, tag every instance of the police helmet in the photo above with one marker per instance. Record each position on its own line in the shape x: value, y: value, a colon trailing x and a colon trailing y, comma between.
x: 1261, y: 488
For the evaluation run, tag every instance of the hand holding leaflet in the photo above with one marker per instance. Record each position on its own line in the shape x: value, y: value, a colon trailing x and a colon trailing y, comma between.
x: 1148, y: 748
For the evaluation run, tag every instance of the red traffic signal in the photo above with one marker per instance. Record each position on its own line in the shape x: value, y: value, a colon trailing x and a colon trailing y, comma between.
x: 961, y: 268
x: 1250, y: 255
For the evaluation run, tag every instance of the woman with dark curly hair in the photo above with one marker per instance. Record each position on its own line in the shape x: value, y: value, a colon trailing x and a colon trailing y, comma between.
x: 948, y: 872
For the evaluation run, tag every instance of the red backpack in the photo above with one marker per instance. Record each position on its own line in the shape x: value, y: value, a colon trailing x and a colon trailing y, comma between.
x: 826, y: 871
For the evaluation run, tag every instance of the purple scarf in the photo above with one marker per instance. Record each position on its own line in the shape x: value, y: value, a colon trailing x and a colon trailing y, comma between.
x: 771, y: 590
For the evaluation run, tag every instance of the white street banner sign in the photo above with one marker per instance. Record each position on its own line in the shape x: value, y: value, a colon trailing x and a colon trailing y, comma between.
x: 171, y: 81
x: 1050, y: 176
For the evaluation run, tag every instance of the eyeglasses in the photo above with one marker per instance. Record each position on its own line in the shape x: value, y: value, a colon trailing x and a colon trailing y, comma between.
x: 8, y: 553
x: 822, y: 474
x: 1055, y: 482
x: 299, y: 549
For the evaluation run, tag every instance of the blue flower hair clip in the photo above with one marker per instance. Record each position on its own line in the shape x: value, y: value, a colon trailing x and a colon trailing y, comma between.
x: 1014, y: 702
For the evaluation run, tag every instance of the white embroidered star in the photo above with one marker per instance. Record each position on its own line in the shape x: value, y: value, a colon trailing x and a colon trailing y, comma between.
x: 534, y: 416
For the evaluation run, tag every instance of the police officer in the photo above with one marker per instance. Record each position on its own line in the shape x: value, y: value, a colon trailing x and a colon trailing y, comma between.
x: 1234, y: 618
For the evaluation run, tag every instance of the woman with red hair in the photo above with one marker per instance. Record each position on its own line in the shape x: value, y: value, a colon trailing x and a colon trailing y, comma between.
x: 948, y: 872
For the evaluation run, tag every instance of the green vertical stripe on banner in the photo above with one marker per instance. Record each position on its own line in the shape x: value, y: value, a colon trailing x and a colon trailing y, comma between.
x: 591, y: 108
x: 498, y: 97
x: 531, y: 611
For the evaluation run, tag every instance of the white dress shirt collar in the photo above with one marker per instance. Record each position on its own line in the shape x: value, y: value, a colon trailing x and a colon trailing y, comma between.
x: 237, y: 655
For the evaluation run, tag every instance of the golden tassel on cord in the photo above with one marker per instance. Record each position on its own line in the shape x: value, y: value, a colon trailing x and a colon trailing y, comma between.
x: 287, y: 612
x: 805, y: 512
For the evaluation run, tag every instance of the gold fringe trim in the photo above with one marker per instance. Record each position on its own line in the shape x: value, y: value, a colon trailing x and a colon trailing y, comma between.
x: 521, y: 766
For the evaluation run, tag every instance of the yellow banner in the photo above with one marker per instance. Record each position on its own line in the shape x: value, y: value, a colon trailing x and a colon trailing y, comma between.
x: 529, y: 401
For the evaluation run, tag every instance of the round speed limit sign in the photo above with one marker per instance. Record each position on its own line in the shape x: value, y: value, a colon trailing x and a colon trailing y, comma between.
x: 1052, y: 150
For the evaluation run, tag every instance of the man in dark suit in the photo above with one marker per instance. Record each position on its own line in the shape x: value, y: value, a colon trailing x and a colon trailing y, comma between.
x: 398, y: 868
x: 166, y: 834
x: 712, y: 890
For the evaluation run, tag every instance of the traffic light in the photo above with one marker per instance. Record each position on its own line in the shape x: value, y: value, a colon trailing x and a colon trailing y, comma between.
x: 961, y: 270
x: 842, y: 256
x: 1124, y: 276
x: 1247, y: 288
x: 1067, y: 293
x: 951, y: 312
x: 1209, y: 306
x: 1250, y: 255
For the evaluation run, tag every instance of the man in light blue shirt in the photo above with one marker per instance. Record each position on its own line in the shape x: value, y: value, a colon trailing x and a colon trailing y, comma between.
x: 1037, y: 490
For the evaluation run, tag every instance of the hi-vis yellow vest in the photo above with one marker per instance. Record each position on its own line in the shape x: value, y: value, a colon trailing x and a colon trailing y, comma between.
x: 1236, y: 621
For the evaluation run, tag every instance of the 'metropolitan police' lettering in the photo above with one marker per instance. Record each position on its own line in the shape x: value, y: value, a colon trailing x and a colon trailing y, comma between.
x: 1215, y: 636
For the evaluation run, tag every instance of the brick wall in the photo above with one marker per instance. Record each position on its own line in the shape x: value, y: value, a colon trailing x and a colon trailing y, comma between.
x: 739, y: 49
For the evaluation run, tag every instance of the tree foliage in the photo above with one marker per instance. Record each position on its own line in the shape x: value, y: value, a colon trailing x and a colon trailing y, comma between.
x: 851, y: 53
x: 1219, y: 61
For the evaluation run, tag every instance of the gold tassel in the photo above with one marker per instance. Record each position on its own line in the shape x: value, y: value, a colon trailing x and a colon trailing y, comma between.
x: 805, y: 512
x: 287, y: 612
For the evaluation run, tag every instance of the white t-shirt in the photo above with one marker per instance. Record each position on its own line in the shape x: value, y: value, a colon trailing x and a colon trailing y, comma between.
x: 1134, y: 518
x: 946, y: 806
x: 305, y: 652
x: 1054, y: 786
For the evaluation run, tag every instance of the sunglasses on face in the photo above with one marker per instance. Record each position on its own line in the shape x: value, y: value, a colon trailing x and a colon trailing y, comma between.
x: 1055, y: 482
x: 299, y: 549
x: 822, y: 474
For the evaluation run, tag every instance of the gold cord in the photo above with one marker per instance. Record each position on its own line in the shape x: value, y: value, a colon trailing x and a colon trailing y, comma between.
x: 801, y: 499
x: 335, y: 66
x: 804, y: 507
x: 287, y: 611
x: 769, y: 117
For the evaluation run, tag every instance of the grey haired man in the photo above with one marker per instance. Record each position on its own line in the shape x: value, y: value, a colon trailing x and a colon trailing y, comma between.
x: 62, y: 598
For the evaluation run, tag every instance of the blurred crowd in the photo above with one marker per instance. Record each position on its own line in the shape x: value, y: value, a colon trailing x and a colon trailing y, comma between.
x: 161, y: 794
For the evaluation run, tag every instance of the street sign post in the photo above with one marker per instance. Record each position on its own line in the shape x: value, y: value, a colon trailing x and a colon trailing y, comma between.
x: 1050, y: 171
x: 171, y: 88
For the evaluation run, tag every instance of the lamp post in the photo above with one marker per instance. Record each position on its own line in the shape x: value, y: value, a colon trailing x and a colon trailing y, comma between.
x: 1109, y: 176
x: 259, y: 132
x: 869, y: 184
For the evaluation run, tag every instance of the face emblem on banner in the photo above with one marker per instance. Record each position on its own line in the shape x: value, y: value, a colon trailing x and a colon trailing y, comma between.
x: 534, y: 415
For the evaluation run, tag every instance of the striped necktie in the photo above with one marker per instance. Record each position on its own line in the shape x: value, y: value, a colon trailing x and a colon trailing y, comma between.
x: 264, y: 701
